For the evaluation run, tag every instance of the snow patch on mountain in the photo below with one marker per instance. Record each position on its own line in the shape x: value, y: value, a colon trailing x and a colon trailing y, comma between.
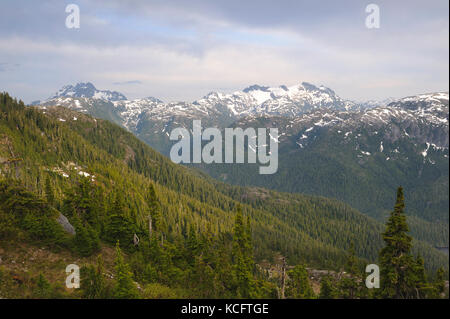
x: 304, y: 109
x: 87, y: 90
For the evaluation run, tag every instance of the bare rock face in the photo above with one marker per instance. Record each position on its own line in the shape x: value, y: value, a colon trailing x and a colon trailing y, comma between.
x: 64, y: 222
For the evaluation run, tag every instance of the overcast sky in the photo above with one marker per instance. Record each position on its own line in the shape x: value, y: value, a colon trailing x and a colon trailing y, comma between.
x: 181, y: 50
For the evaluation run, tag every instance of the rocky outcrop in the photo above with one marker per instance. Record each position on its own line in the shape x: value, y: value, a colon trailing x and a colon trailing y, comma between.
x: 64, y: 222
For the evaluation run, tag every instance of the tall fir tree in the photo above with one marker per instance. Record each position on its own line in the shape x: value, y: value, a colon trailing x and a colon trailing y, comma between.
x: 43, y: 288
x: 399, y: 271
x: 242, y: 260
x: 118, y: 226
x: 84, y: 201
x: 299, y: 286
x: 350, y: 286
x: 327, y: 290
x: 154, y: 207
x: 49, y: 193
x: 124, y: 287
x: 93, y: 283
x: 192, y: 244
x: 439, y: 284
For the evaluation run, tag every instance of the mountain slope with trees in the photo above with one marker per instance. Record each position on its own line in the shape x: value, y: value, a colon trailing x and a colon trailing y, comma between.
x: 109, y: 185
x: 329, y: 146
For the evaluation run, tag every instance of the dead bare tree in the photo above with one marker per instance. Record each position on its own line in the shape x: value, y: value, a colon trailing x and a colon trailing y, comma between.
x: 283, y: 278
x: 150, y: 227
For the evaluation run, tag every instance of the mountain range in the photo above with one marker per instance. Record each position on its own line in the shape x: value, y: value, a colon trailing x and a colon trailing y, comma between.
x: 254, y: 100
x: 357, y: 152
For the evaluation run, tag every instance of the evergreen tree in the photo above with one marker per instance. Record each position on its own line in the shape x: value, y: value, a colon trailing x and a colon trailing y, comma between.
x: 424, y: 288
x: 43, y: 288
x: 350, y: 285
x: 118, y: 226
x: 84, y: 201
x: 439, y: 284
x: 88, y: 282
x: 399, y: 272
x: 203, y: 279
x: 242, y: 261
x: 249, y: 244
x: 150, y: 274
x: 93, y: 284
x: 327, y: 290
x: 299, y: 286
x: 86, y: 239
x: 94, y: 238
x: 124, y: 288
x: 49, y: 194
x: 154, y: 207
x: 192, y: 244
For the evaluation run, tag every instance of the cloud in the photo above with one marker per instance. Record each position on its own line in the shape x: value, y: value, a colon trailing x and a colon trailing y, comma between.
x: 5, y: 66
x: 128, y: 82
x: 181, y: 50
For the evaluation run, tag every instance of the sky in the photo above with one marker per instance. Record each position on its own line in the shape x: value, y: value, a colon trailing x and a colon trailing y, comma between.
x: 178, y: 50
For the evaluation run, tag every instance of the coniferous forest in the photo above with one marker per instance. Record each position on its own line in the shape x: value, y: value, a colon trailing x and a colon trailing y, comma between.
x: 80, y: 190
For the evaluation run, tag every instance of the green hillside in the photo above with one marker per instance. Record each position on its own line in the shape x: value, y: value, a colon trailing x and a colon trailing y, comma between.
x: 101, y: 178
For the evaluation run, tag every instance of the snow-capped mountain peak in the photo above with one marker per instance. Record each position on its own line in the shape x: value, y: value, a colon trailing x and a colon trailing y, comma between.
x: 299, y: 102
x: 427, y: 100
x: 87, y: 90
x: 282, y: 100
x: 153, y: 99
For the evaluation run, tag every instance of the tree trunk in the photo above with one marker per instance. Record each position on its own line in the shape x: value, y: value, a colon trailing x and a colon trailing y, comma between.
x: 283, y: 278
x: 150, y: 227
